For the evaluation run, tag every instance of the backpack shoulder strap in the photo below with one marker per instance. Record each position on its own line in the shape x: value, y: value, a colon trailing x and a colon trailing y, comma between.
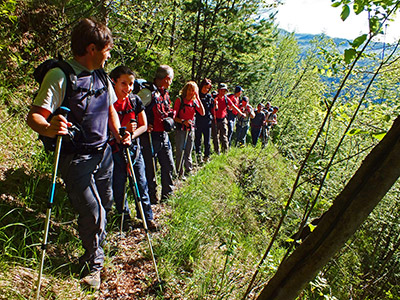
x: 68, y: 71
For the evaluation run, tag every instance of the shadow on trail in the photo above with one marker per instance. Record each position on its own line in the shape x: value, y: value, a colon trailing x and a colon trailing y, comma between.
x: 23, y: 205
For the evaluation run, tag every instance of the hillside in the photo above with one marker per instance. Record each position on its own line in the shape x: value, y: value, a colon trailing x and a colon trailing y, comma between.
x: 209, y: 238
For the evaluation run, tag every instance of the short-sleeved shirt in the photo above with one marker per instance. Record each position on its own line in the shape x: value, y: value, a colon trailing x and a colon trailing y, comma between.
x: 258, y: 120
x: 186, y: 111
x: 244, y: 121
x: 222, y: 103
x: 208, y: 103
x: 53, y: 88
x: 128, y: 109
x: 235, y: 100
x: 158, y: 106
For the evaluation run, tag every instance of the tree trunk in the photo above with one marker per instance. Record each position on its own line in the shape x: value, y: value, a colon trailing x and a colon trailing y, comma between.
x: 366, y: 188
x: 196, y: 37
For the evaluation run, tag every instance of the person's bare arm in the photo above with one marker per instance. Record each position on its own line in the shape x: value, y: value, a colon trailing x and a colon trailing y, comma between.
x: 37, y: 120
x: 114, y: 125
x: 141, y: 125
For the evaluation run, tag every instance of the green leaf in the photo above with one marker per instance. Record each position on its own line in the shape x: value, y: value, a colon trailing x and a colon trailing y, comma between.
x: 311, y: 132
x: 379, y: 136
x: 359, y: 41
x: 358, y: 7
x: 374, y: 25
x: 356, y: 131
x: 345, y: 12
x: 386, y: 118
x: 335, y: 4
x: 312, y: 227
x: 349, y: 55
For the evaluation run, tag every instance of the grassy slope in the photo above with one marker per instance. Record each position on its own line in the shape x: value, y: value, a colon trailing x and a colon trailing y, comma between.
x: 221, y: 221
x: 215, y: 232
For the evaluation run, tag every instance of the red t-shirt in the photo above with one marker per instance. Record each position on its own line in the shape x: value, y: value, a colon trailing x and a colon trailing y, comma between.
x: 186, y: 111
x: 235, y: 100
x: 161, y: 110
x: 222, y: 106
x: 123, y: 106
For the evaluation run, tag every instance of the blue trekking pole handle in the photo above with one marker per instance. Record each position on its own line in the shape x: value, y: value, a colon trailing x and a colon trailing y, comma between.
x: 64, y: 112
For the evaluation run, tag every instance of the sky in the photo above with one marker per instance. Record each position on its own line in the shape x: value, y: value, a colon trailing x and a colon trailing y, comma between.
x: 318, y: 16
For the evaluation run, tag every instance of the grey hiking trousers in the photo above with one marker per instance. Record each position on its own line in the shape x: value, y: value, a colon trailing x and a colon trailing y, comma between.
x: 88, y: 179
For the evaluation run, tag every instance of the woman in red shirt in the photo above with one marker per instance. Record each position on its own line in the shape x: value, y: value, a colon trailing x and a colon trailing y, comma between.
x: 185, y: 107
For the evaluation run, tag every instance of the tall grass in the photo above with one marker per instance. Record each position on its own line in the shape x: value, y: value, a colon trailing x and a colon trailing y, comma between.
x: 221, y: 221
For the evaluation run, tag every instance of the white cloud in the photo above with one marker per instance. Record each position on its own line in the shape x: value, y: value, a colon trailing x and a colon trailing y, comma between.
x: 318, y: 16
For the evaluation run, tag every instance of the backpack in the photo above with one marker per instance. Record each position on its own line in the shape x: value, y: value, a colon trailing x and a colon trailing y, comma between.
x: 182, y: 105
x: 39, y: 74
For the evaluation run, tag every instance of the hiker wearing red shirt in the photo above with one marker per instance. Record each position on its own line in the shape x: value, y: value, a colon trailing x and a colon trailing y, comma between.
x: 132, y: 116
x: 185, y: 108
x: 222, y: 102
x: 156, y: 143
x: 232, y: 113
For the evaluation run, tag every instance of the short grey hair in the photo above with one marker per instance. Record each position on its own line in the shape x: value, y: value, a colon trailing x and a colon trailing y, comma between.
x: 164, y: 71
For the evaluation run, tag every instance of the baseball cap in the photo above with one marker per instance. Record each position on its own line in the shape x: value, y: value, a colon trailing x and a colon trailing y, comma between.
x: 222, y: 86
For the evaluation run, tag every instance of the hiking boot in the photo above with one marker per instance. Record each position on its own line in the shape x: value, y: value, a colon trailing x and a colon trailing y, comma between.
x: 151, y: 225
x: 127, y: 223
x: 154, y: 200
x: 92, y: 280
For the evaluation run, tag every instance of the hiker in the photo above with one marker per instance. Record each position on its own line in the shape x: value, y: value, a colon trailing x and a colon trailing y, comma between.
x: 222, y: 102
x: 204, y: 123
x: 231, y: 117
x: 132, y: 116
x: 185, y: 107
x: 156, y: 143
x: 270, y: 121
x: 257, y: 123
x: 214, y: 135
x: 242, y: 124
x: 85, y: 161
x: 268, y: 108
x: 264, y: 130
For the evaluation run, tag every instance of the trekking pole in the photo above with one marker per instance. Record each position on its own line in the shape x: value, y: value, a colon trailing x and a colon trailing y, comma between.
x: 122, y: 216
x: 183, y: 152
x: 135, y: 190
x: 153, y: 156
x: 64, y: 112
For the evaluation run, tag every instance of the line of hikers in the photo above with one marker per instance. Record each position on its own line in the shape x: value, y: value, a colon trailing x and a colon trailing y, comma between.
x: 92, y: 162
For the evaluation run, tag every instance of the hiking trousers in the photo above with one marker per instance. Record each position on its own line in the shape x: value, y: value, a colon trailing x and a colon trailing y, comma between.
x: 88, y: 179
x: 180, y: 136
x: 204, y: 131
x: 222, y: 135
x: 120, y: 175
x: 255, y: 134
x: 241, y: 133
x: 163, y: 152
x: 231, y: 125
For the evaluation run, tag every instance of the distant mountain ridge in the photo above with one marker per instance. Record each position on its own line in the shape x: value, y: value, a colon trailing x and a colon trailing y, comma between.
x: 304, y: 40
